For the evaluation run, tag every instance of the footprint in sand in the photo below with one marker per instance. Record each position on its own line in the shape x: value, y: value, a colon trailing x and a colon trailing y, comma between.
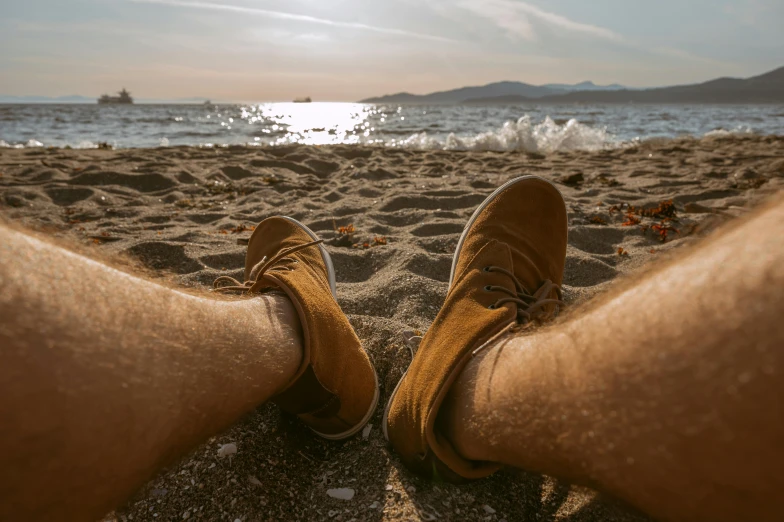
x: 138, y: 182
x: 163, y: 256
x: 596, y: 240
x: 437, y: 229
x: 229, y: 260
x: 65, y: 196
x: 433, y: 203
x: 586, y: 271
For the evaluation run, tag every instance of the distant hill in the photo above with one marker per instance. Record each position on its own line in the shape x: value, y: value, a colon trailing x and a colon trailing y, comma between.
x: 584, y: 86
x: 765, y: 88
x: 465, y: 93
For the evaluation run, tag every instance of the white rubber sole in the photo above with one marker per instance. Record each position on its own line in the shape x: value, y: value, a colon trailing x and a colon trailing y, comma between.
x: 332, y: 286
x: 362, y: 423
x: 460, y: 242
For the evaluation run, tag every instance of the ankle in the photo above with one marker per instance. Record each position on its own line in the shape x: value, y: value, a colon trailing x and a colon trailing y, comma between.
x: 465, y: 417
x: 287, y: 332
x: 265, y: 346
x: 502, y: 406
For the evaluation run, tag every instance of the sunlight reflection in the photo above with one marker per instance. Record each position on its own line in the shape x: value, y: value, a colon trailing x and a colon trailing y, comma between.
x: 312, y: 123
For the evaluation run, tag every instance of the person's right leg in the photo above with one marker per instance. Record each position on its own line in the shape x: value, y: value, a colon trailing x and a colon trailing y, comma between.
x: 105, y: 376
x: 669, y: 393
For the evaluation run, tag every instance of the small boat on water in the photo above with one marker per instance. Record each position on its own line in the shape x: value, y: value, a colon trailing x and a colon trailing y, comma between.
x: 306, y: 99
x: 123, y: 98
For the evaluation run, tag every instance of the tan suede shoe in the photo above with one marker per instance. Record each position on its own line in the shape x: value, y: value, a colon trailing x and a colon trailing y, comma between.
x: 505, y: 276
x: 335, y: 391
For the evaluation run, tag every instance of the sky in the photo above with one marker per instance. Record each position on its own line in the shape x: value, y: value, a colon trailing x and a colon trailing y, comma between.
x: 345, y: 50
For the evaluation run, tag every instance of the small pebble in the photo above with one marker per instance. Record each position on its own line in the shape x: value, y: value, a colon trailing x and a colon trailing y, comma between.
x: 488, y: 509
x: 227, y: 449
x: 341, y: 493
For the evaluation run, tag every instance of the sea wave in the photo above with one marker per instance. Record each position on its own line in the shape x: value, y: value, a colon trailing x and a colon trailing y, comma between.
x: 737, y: 131
x: 27, y: 145
x: 521, y: 135
x: 549, y: 135
x: 32, y: 144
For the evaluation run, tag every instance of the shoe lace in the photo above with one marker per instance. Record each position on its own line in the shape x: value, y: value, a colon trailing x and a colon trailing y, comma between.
x: 529, y: 306
x: 260, y: 268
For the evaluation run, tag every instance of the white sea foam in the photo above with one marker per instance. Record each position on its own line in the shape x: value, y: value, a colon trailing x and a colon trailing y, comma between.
x: 29, y: 144
x: 737, y: 131
x: 522, y: 135
x: 85, y: 144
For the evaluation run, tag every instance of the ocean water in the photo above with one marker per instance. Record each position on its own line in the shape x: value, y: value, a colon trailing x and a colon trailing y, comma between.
x: 530, y: 127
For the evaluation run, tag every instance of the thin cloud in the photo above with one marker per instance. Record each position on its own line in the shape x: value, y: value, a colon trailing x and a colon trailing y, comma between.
x: 281, y: 15
x: 515, y: 17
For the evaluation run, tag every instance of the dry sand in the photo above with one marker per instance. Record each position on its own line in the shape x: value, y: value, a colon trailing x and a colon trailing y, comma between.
x: 184, y: 212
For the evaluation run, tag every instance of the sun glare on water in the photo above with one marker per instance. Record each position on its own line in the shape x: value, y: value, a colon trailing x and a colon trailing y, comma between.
x: 311, y: 123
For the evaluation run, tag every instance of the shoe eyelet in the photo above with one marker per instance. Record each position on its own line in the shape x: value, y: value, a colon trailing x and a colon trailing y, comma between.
x: 492, y: 307
x: 488, y: 288
x: 486, y: 269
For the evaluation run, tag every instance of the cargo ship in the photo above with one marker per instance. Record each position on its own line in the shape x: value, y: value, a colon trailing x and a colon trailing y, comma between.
x: 123, y: 98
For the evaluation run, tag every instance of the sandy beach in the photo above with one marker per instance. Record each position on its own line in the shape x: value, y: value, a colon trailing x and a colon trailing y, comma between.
x: 184, y: 214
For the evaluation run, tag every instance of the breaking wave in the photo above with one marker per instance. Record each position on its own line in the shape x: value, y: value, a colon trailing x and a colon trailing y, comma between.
x: 521, y: 135
x: 29, y: 144
x: 524, y: 135
x: 737, y: 131
x: 32, y: 144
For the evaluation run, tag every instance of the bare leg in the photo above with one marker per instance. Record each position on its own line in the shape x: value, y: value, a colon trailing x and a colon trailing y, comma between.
x: 668, y: 394
x: 104, y: 377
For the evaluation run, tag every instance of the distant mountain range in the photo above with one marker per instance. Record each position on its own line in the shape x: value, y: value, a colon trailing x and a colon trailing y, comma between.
x: 765, y: 88
x: 584, y: 86
x: 86, y: 99
x: 492, y: 90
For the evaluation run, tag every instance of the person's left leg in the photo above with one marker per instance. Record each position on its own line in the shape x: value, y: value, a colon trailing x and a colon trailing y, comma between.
x: 106, y: 377
x: 666, y: 393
